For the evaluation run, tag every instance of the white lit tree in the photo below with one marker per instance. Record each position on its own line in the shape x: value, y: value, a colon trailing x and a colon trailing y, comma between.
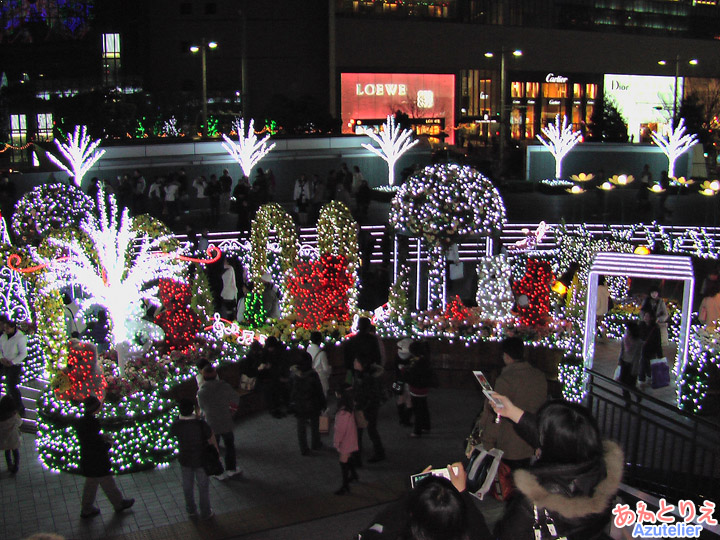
x: 80, y: 152
x: 494, y: 295
x: 393, y: 143
x: 248, y: 151
x: 117, y: 268
x: 561, y: 139
x: 675, y: 145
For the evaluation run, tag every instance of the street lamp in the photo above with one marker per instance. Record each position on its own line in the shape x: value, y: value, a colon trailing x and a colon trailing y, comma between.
x: 503, y: 98
x: 202, y: 48
x: 692, y: 62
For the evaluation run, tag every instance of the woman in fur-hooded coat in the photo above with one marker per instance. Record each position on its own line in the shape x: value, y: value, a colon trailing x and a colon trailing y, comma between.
x: 572, y: 484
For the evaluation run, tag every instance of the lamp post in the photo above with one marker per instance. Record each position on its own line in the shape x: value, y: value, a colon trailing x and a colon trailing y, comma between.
x: 202, y: 48
x: 503, y: 99
x: 692, y: 62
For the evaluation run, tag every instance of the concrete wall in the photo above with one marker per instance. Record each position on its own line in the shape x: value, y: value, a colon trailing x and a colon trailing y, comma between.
x: 612, y: 158
x: 289, y: 159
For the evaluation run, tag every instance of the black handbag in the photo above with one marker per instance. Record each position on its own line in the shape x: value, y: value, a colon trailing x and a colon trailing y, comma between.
x: 211, y: 458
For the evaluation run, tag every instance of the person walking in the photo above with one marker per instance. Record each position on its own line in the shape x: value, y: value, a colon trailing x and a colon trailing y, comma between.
x: 10, y: 423
x: 215, y: 398
x: 95, y: 462
x: 308, y: 402
x: 13, y: 351
x: 193, y: 434
x: 345, y: 438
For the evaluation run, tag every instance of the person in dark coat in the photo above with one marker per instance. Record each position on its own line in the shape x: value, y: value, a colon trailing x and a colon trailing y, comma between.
x: 308, y: 401
x: 368, y: 386
x: 193, y: 434
x: 95, y: 462
x: 362, y: 345
x: 573, y: 482
x: 652, y: 344
x: 273, y: 374
x: 420, y: 378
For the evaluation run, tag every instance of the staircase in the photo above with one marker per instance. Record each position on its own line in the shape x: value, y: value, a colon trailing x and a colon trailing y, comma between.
x: 31, y: 390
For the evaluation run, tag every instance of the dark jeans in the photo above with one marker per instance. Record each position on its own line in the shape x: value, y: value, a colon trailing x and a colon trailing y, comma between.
x: 302, y: 422
x: 422, y: 414
x: 371, y: 415
x: 229, y: 442
x: 12, y: 380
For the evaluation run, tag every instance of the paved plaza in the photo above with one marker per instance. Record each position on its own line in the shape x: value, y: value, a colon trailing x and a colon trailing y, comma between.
x: 279, y: 486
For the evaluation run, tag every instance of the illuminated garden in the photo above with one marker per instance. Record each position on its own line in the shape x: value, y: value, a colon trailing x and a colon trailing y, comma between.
x: 131, y: 278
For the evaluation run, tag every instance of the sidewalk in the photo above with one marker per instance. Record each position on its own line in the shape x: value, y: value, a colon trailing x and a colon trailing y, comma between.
x: 280, y: 488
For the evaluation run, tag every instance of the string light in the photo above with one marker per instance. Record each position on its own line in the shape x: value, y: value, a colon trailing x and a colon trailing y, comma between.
x: 80, y: 152
x: 393, y: 143
x: 248, y: 151
x: 560, y: 140
x: 675, y: 144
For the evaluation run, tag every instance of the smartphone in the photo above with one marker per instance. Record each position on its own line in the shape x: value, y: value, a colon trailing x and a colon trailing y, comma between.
x: 417, y: 478
x: 486, y: 388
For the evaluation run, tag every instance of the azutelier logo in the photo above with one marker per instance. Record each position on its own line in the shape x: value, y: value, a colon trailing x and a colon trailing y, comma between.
x: 664, y: 522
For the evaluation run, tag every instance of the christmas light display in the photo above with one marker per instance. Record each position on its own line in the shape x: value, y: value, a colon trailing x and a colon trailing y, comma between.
x: 675, y: 144
x: 170, y: 128
x: 644, y: 266
x: 248, y: 151
x: 273, y: 216
x: 49, y: 207
x: 398, y: 298
x: 560, y: 140
x: 320, y: 291
x: 177, y: 320
x: 441, y: 204
x: 80, y: 152
x: 393, y: 143
x: 535, y: 288
x: 84, y: 374
x: 118, y: 274
x: 202, y: 301
x: 494, y: 295
x: 337, y: 235
x: 139, y: 426
x: 13, y: 297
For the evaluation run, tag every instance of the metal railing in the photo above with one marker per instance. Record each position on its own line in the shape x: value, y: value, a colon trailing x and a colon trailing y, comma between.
x: 667, y: 451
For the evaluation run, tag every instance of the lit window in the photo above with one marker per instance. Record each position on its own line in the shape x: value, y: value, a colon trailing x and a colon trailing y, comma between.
x: 45, y: 126
x: 18, y: 135
x: 111, y: 59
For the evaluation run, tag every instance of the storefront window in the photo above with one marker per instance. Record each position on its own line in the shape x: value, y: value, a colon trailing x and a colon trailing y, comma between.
x: 577, y: 114
x: 555, y: 90
x: 515, y: 123
x: 591, y: 91
x: 577, y: 90
x: 532, y: 89
x: 516, y: 89
x: 476, y: 93
x: 530, y: 121
x: 589, y: 110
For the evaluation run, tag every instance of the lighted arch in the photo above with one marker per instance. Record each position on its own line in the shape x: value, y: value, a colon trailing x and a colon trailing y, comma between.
x: 337, y: 235
x: 273, y: 217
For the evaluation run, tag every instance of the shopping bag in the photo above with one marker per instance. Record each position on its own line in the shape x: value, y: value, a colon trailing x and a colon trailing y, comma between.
x: 659, y: 373
x: 324, y: 424
x: 618, y: 372
x: 481, y: 471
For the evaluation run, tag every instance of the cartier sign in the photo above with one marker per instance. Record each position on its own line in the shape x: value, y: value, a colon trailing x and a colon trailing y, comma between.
x: 551, y: 77
x: 379, y: 89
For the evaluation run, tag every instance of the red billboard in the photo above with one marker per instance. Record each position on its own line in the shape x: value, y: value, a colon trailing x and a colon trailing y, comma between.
x: 428, y: 99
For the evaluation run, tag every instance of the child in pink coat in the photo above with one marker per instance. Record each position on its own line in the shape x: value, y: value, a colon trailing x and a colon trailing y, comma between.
x: 345, y: 439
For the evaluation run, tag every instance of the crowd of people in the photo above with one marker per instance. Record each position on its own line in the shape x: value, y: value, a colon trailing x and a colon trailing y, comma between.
x: 166, y: 197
